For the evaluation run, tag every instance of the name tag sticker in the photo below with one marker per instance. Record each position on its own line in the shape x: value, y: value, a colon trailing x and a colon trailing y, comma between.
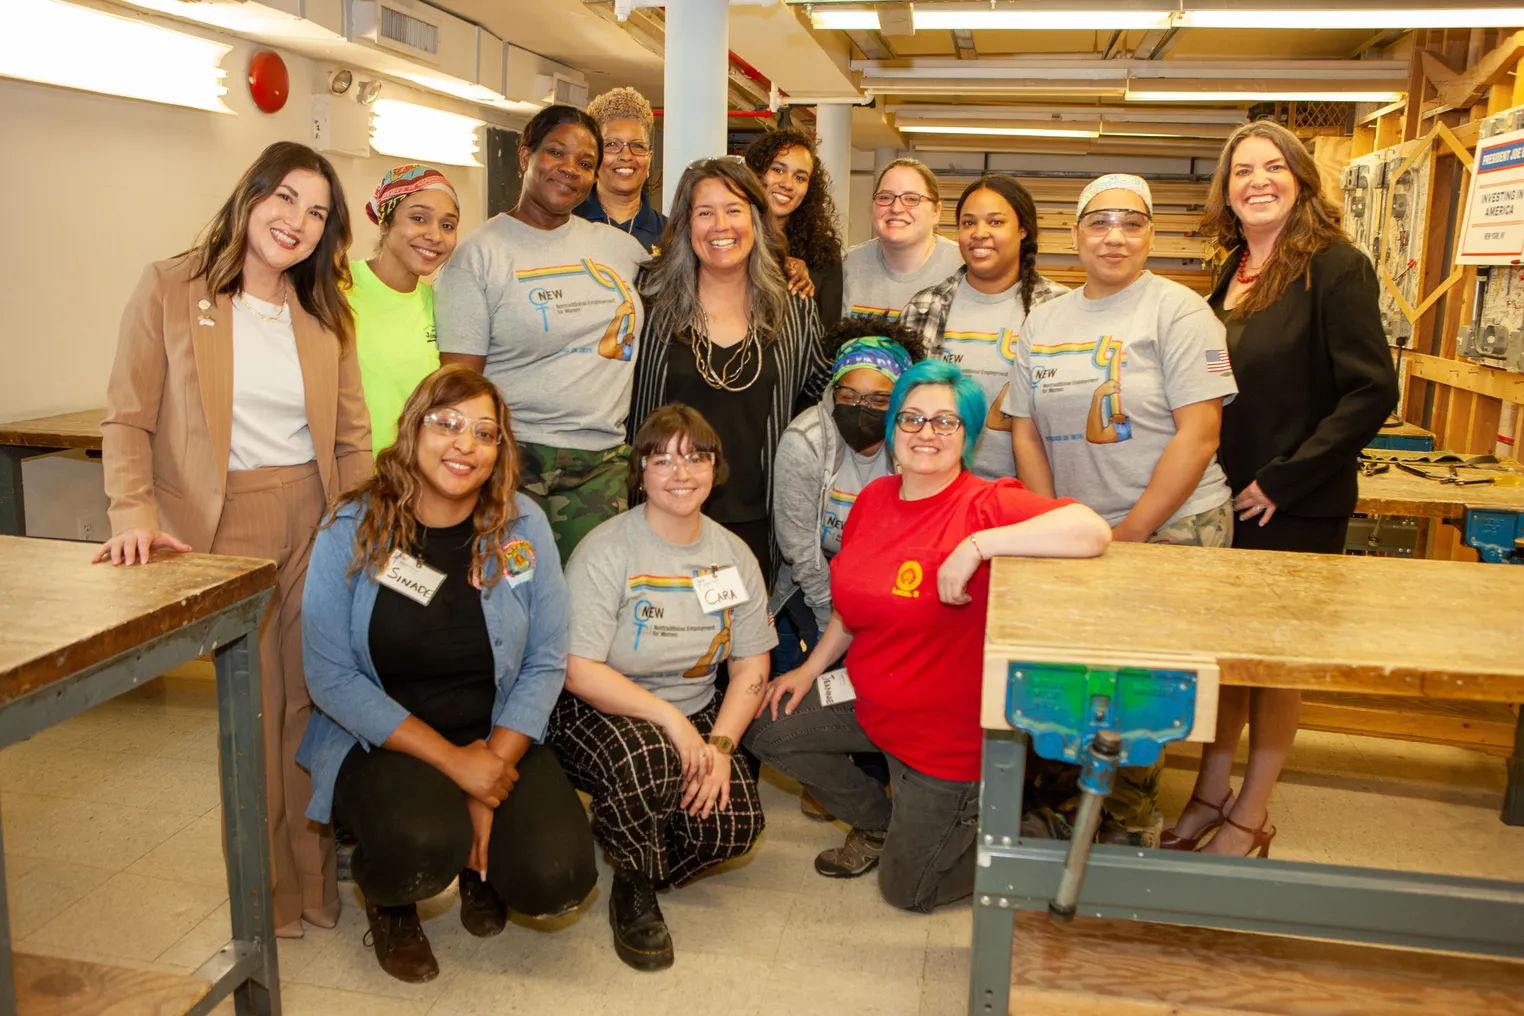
x: 720, y: 589
x: 835, y: 687
x: 411, y: 577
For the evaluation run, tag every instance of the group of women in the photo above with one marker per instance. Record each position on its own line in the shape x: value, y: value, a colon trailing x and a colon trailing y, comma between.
x: 471, y: 622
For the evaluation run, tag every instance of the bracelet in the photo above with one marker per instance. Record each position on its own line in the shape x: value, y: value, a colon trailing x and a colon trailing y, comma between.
x: 976, y: 547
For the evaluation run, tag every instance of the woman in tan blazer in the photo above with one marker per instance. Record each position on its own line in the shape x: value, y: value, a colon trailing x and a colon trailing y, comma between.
x: 234, y: 417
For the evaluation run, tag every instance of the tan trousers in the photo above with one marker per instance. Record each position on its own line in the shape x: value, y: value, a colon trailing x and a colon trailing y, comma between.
x: 273, y: 513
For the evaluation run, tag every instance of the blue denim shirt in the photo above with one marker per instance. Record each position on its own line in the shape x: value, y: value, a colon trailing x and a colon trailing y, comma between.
x: 526, y: 623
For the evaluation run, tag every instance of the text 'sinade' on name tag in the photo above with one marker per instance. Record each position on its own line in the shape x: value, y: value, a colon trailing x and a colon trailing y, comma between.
x: 411, y: 577
x: 720, y: 589
x: 835, y: 687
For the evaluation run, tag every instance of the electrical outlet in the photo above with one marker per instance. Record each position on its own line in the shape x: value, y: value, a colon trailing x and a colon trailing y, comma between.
x: 88, y: 524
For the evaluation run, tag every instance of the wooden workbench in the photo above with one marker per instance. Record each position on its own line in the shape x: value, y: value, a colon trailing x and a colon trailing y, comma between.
x: 73, y: 634
x: 1398, y: 493
x: 22, y: 439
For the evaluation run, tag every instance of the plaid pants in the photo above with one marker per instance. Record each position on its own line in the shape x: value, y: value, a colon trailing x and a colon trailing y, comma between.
x: 635, y: 777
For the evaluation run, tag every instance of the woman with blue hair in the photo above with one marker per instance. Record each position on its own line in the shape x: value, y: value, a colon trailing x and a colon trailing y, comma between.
x: 908, y: 595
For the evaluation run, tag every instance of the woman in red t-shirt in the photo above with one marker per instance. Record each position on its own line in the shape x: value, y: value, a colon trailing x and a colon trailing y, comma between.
x: 908, y: 596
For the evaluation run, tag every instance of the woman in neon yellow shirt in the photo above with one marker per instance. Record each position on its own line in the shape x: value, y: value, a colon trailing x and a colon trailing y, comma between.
x: 419, y: 215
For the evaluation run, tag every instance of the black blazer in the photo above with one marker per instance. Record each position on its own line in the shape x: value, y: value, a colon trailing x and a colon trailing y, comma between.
x: 1315, y: 384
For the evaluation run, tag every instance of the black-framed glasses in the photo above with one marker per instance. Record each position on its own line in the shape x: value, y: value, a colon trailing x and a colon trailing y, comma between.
x: 666, y: 463
x: 910, y: 199
x: 613, y: 146
x: 848, y: 396
x: 455, y: 423
x: 943, y: 423
x: 1102, y: 221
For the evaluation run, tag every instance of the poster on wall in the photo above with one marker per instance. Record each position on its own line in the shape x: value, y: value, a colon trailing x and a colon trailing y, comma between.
x: 1493, y: 233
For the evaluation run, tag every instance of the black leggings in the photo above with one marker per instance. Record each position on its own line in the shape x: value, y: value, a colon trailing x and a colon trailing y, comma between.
x: 414, y: 833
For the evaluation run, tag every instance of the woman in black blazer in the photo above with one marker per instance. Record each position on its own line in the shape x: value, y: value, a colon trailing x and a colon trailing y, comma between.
x: 1315, y: 383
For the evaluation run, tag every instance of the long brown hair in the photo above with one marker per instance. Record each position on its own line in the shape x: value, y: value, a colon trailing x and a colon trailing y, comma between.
x: 1312, y: 228
x: 390, y: 496
x: 320, y: 278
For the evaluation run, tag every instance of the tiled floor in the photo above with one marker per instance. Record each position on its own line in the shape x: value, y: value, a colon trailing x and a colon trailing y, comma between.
x: 112, y: 853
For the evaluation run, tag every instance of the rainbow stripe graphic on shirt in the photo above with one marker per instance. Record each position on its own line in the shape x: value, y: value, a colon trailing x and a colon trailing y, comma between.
x: 1005, y: 340
x: 1105, y: 352
x: 841, y: 499
x: 863, y: 310
x: 619, y: 340
x: 661, y: 584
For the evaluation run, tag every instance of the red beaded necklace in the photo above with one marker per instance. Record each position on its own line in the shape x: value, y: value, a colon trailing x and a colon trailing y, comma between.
x: 1244, y: 275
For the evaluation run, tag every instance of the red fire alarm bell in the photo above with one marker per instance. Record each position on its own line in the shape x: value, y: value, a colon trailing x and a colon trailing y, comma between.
x: 269, y: 82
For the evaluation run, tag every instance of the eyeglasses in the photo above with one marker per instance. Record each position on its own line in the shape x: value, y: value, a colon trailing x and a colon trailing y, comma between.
x: 910, y: 199
x: 666, y: 463
x: 846, y: 396
x: 942, y: 423
x: 612, y: 147
x: 455, y: 423
x: 1102, y: 221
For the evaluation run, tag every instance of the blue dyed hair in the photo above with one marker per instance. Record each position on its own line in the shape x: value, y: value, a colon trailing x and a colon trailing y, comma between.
x: 967, y: 396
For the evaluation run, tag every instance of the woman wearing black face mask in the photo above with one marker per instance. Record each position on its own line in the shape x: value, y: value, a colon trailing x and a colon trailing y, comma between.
x: 828, y: 453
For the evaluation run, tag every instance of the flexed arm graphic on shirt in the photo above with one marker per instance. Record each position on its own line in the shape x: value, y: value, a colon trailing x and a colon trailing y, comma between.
x: 1106, y: 423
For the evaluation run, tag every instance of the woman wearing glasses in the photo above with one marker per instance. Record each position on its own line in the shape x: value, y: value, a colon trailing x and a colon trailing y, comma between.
x: 544, y: 304
x: 975, y: 317
x: 664, y: 597
x: 434, y: 638
x: 799, y: 203
x: 906, y: 254
x: 625, y: 123
x: 724, y: 336
x: 908, y: 595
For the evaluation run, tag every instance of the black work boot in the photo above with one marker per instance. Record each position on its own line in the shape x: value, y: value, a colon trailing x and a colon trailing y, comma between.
x: 640, y: 932
x: 482, y: 910
x: 401, y: 947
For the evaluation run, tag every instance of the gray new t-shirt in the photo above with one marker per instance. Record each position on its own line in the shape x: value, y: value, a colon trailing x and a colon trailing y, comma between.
x: 634, y: 608
x: 980, y: 337
x: 856, y: 472
x: 557, y: 316
x: 869, y: 287
x: 1100, y: 378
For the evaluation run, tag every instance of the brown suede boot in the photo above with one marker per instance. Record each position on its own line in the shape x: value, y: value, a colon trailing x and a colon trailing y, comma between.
x: 402, y: 949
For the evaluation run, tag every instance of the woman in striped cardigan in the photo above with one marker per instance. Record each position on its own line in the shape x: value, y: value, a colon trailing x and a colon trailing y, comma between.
x: 724, y: 336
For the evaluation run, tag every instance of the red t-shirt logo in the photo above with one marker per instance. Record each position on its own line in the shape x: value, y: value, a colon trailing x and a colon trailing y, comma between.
x: 908, y: 581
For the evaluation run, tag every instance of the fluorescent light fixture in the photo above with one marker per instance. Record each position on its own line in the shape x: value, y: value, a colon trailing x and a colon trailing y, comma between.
x: 928, y: 19
x: 1366, y: 16
x: 258, y: 20
x: 410, y: 131
x: 1007, y: 132
x: 1276, y: 95
x: 55, y: 43
x: 1370, y: 16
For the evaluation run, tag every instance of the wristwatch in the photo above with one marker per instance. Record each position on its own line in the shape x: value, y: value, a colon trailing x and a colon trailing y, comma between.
x: 723, y: 744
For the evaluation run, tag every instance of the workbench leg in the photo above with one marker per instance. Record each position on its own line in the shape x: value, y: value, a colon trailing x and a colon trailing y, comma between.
x: 245, y: 823
x: 12, y: 498
x: 7, y: 973
x: 1513, y: 794
x: 1004, y: 770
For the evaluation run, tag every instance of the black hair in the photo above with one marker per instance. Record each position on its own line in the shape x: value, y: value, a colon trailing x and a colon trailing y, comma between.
x: 811, y: 228
x: 850, y: 328
x: 1009, y: 188
x: 551, y: 117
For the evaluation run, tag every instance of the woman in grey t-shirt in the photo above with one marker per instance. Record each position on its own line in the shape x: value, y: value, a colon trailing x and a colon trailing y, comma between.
x: 661, y: 597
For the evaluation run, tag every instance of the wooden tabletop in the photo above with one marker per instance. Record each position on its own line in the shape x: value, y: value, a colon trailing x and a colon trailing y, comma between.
x: 59, y: 613
x: 1405, y: 430
x: 67, y: 430
x: 1395, y: 492
x: 1387, y: 626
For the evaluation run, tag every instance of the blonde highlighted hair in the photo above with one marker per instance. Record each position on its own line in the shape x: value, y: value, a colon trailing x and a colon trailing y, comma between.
x: 623, y: 104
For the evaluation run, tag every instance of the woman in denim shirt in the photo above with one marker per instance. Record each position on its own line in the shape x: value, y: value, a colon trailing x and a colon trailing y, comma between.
x: 434, y: 639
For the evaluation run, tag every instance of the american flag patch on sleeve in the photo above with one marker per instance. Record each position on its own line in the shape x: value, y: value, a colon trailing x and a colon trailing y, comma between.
x: 1217, y: 362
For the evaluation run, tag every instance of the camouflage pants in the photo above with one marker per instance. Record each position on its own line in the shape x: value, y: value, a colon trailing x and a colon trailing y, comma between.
x: 1211, y: 528
x: 577, y: 489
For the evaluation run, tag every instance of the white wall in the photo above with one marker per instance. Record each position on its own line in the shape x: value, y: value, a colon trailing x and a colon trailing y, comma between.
x: 100, y: 187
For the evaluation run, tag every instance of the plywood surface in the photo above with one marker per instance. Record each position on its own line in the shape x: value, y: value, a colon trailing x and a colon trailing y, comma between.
x: 1484, y: 726
x: 1271, y: 619
x: 1398, y: 493
x: 47, y: 986
x: 1126, y: 968
x: 68, y: 430
x: 59, y: 613
x: 1406, y: 430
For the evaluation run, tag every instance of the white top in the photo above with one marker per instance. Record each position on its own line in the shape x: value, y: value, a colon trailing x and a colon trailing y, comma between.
x: 269, y: 395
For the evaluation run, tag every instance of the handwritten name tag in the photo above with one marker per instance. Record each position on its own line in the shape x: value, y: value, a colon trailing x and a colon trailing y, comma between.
x: 835, y: 687
x: 720, y: 589
x: 411, y: 577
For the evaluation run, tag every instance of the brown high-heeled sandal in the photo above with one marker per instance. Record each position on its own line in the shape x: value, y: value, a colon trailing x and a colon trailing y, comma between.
x: 1168, y: 840
x: 1262, y: 836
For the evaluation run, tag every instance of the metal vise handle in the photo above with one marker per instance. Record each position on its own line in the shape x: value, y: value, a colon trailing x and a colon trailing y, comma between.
x: 1096, y: 781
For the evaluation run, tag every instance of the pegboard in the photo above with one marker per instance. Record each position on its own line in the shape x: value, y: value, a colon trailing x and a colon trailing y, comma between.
x: 1396, y: 243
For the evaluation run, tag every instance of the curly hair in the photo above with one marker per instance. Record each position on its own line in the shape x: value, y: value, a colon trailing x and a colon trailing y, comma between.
x: 390, y: 496
x: 1015, y: 195
x: 811, y: 228
x: 1312, y: 228
x: 623, y: 104
x: 851, y: 328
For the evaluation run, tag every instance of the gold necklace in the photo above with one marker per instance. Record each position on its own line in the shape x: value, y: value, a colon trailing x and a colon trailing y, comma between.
x: 244, y: 298
x: 703, y: 358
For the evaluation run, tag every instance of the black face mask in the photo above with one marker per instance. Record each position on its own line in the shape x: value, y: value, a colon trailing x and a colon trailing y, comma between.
x: 860, y: 426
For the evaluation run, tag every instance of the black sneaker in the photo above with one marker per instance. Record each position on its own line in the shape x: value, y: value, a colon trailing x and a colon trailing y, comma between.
x: 640, y: 932
x: 858, y: 856
x: 401, y: 947
x: 482, y: 910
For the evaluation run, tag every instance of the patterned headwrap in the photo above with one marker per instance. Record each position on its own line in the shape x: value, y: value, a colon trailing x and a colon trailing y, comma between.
x: 1116, y: 181
x: 401, y: 181
x: 873, y: 352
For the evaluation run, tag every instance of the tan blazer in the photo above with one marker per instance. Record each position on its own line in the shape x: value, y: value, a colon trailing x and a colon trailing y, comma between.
x: 169, y: 407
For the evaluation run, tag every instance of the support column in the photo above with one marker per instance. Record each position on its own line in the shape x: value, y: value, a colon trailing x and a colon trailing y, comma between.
x: 833, y: 139
x: 696, y: 80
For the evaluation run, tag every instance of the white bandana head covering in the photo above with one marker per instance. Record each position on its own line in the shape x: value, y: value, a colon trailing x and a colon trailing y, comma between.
x: 1116, y: 181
